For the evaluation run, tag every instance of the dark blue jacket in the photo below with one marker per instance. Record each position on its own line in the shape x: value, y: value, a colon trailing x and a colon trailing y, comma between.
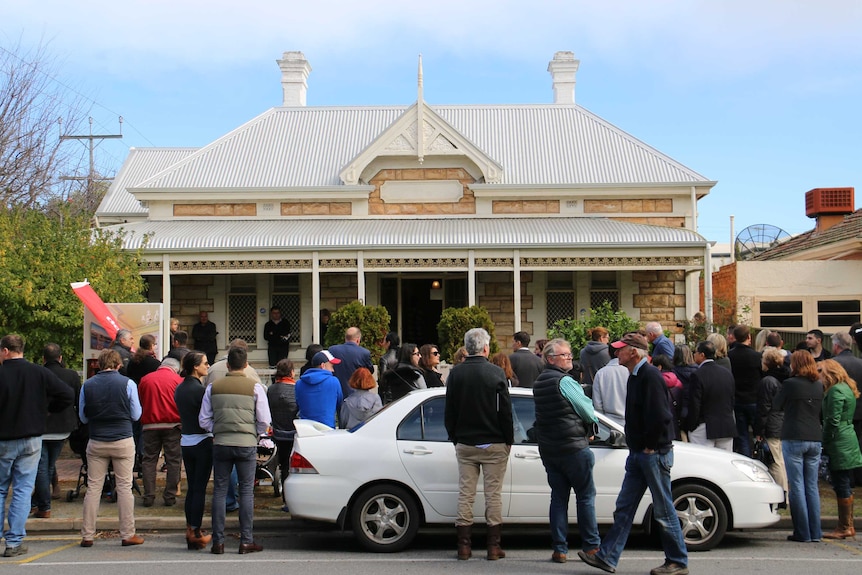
x: 318, y: 396
x: 107, y: 407
x: 352, y: 356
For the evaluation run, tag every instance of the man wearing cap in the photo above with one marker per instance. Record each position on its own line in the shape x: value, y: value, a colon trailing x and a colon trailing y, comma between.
x: 649, y: 435
x: 318, y: 391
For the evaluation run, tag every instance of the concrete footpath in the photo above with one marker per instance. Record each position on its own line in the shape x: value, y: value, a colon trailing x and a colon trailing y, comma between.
x: 67, y: 511
x: 268, y: 515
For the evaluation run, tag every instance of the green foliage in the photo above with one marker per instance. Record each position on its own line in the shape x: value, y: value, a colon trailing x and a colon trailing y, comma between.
x: 372, y: 321
x: 456, y: 321
x: 576, y: 332
x: 42, y: 254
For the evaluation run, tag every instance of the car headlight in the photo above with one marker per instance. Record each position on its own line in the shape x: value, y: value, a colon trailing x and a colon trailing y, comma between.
x: 754, y: 470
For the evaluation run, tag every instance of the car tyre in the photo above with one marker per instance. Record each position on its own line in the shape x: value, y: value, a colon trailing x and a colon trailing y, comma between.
x: 702, y: 515
x: 385, y: 518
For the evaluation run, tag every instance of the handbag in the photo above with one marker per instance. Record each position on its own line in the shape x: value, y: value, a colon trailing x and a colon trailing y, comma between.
x: 762, y: 453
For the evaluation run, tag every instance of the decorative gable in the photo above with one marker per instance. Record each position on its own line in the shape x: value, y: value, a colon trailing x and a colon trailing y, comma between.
x: 404, y: 139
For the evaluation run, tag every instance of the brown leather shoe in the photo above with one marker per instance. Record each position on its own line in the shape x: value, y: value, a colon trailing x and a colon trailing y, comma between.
x: 42, y: 514
x: 86, y: 542
x: 558, y: 557
x: 217, y: 549
x: 249, y: 548
x: 133, y: 540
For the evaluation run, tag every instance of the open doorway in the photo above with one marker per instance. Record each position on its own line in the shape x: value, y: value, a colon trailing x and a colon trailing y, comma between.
x: 416, y: 303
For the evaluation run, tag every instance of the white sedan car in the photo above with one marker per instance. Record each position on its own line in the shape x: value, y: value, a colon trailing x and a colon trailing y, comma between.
x: 397, y: 472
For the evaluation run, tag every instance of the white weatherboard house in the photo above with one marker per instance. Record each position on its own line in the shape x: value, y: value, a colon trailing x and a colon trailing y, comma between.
x: 416, y: 208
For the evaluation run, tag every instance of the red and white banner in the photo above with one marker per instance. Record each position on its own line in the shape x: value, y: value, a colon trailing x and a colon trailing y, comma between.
x: 95, y: 304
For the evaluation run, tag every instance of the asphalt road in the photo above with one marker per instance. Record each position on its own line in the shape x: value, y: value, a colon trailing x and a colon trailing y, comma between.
x: 322, y: 551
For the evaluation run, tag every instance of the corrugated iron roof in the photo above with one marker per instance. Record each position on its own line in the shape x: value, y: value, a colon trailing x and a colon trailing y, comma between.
x: 850, y: 228
x: 383, y: 233
x: 141, y: 163
x: 535, y: 144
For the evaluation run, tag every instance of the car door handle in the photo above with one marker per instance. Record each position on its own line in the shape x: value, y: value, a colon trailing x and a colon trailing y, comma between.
x: 530, y: 455
x: 418, y: 451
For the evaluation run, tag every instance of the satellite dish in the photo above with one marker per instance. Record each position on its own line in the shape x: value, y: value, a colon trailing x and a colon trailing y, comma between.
x: 756, y: 239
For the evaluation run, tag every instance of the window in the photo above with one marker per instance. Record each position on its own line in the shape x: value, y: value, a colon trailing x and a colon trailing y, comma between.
x: 839, y: 313
x: 604, y: 288
x: 285, y: 294
x: 242, y: 309
x: 560, y: 297
x: 524, y: 416
x: 781, y: 314
x: 425, y: 423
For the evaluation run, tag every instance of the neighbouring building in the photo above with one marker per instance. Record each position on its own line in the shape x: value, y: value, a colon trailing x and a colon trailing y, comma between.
x: 809, y: 281
x: 536, y: 212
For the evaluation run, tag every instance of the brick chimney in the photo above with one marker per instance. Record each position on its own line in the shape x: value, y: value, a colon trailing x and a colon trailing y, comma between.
x: 563, y: 69
x: 294, y: 78
x: 828, y: 206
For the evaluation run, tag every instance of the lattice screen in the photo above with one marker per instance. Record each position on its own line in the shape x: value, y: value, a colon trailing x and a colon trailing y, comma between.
x: 242, y: 317
x: 289, y: 304
x: 598, y: 297
x: 561, y: 305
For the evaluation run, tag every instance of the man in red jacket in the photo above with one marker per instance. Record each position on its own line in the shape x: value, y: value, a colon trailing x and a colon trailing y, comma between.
x: 161, y: 424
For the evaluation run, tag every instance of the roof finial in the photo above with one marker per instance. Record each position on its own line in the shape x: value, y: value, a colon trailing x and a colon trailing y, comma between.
x: 420, y: 120
x: 420, y: 78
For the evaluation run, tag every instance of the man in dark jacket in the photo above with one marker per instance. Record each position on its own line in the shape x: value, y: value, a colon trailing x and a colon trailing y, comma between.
x: 352, y: 356
x: 710, y: 418
x: 58, y: 427
x: 565, y: 422
x: 27, y: 393
x: 745, y: 363
x: 478, y: 418
x: 649, y: 434
x: 123, y: 343
x: 526, y: 364
x: 276, y: 332
x: 204, y: 333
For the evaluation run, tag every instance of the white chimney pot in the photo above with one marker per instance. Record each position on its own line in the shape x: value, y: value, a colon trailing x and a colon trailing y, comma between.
x: 563, y: 69
x: 294, y: 78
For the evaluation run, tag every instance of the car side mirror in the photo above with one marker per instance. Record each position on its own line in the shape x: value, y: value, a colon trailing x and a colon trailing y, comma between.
x: 617, y: 439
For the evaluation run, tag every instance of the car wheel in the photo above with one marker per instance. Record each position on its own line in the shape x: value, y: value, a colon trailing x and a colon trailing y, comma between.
x: 385, y: 518
x: 702, y: 515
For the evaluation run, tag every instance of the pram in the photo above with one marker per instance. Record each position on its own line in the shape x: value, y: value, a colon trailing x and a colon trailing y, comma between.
x: 266, y: 468
x: 78, y: 440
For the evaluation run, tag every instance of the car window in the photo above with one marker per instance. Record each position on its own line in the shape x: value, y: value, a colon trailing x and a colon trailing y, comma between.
x: 524, y: 418
x: 425, y: 422
x: 608, y: 437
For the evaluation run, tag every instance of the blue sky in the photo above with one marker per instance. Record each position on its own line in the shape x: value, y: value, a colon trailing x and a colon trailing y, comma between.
x: 762, y: 96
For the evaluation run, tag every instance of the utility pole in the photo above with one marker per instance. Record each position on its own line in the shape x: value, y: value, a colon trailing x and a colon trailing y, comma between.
x: 92, y: 139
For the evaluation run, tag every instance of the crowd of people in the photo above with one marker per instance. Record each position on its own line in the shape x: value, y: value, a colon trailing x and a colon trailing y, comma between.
x: 732, y: 392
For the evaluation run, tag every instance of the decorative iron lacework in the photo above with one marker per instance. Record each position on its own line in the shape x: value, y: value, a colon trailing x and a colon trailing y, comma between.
x: 667, y: 261
x: 338, y: 263
x: 495, y: 262
x: 240, y: 265
x: 150, y: 266
x: 389, y: 263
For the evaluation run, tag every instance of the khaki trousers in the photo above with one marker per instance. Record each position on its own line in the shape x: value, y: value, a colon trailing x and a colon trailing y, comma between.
x: 492, y: 462
x: 122, y: 455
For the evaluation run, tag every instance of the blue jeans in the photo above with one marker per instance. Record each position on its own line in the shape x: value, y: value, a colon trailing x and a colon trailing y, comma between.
x: 231, y: 501
x: 245, y: 459
x: 567, y: 473
x: 19, y: 463
x: 645, y: 471
x: 802, y: 461
x: 47, y: 465
x: 746, y: 414
x: 841, y: 482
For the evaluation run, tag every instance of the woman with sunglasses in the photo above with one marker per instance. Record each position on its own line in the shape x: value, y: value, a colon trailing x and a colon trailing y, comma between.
x: 429, y: 359
x: 404, y: 377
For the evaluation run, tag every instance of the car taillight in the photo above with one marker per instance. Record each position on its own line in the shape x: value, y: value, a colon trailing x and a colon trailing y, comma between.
x: 299, y: 464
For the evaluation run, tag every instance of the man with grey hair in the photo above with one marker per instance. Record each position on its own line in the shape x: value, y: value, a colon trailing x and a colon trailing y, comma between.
x: 478, y: 419
x: 661, y: 345
x: 123, y: 343
x: 649, y: 435
x: 160, y: 420
x: 565, y: 422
